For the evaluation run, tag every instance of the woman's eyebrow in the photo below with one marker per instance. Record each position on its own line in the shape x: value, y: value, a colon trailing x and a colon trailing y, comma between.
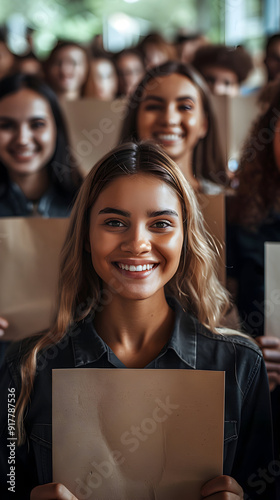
x: 154, y: 213
x: 7, y: 118
x: 11, y: 119
x: 161, y: 99
x: 153, y: 98
x: 186, y: 98
x: 158, y: 213
x: 110, y: 210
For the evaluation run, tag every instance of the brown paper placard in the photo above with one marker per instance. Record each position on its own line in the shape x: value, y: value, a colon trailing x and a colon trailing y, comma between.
x: 137, y: 434
x: 213, y: 210
x: 272, y: 289
x: 234, y: 118
x: 94, y: 128
x: 29, y: 259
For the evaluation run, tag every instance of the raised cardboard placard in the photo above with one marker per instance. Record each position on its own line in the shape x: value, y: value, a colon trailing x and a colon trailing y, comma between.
x: 122, y: 434
x: 29, y: 262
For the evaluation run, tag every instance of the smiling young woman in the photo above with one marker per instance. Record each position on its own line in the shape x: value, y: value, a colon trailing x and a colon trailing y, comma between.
x: 66, y: 69
x: 138, y: 288
x: 38, y: 176
x: 171, y: 106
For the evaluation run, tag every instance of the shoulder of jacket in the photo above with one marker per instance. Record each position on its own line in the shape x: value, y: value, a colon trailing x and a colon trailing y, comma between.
x: 233, y: 337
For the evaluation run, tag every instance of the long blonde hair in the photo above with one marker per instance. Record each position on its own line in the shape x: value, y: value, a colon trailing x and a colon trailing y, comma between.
x: 195, y: 284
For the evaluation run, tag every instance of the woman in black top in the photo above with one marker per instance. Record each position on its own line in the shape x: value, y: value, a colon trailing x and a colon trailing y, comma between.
x: 253, y: 218
x: 38, y: 175
x: 138, y: 289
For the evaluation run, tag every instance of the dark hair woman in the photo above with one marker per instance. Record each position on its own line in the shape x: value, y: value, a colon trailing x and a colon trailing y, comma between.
x: 67, y: 69
x: 171, y: 106
x: 38, y: 175
x: 254, y: 218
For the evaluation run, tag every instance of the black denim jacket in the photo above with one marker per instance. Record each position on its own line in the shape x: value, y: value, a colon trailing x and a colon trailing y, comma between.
x: 248, y: 455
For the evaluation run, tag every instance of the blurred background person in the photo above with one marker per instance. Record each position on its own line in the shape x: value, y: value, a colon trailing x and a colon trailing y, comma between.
x: 102, y: 82
x: 66, y: 70
x: 187, y: 45
x: 7, y: 59
x: 131, y: 69
x: 272, y: 57
x: 156, y: 50
x: 224, y: 68
x: 171, y: 106
x: 253, y: 218
x: 28, y: 63
x: 38, y: 177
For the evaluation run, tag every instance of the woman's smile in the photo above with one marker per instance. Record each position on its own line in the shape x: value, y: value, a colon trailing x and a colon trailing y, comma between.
x: 136, y: 271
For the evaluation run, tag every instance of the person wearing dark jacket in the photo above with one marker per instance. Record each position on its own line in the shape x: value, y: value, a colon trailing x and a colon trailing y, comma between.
x: 138, y: 289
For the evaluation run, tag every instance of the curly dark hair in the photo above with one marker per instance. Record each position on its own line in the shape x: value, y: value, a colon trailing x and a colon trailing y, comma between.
x: 236, y: 59
x: 258, y: 193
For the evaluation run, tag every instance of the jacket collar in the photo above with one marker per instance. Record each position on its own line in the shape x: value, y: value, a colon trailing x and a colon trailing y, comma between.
x: 23, y: 205
x: 88, y: 347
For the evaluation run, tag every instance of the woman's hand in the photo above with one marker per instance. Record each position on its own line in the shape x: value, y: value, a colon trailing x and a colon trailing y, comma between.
x: 51, y: 491
x: 222, y: 488
x: 270, y: 347
x: 3, y: 325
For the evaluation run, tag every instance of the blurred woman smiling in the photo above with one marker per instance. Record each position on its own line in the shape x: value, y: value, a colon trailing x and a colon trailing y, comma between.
x: 171, y: 106
x: 66, y: 70
x: 38, y: 176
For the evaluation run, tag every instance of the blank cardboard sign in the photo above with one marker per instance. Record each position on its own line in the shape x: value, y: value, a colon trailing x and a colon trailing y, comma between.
x: 272, y: 289
x: 122, y: 434
x: 234, y: 118
x: 213, y: 211
x: 29, y: 260
x: 94, y: 128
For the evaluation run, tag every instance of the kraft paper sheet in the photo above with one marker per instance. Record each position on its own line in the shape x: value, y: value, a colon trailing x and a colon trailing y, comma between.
x: 234, y: 118
x: 272, y: 289
x: 213, y: 211
x: 94, y: 128
x: 29, y: 259
x: 122, y: 434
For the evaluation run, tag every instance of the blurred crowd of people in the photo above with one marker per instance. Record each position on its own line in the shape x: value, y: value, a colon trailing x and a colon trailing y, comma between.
x: 167, y: 87
x: 75, y: 70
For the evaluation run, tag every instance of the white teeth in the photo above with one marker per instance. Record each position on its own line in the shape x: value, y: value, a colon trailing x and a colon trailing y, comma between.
x: 145, y: 267
x: 25, y: 154
x: 169, y: 137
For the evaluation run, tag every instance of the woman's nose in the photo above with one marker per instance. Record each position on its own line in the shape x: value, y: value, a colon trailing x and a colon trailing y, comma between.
x: 66, y: 68
x: 137, y: 241
x: 23, y: 134
x: 172, y: 116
